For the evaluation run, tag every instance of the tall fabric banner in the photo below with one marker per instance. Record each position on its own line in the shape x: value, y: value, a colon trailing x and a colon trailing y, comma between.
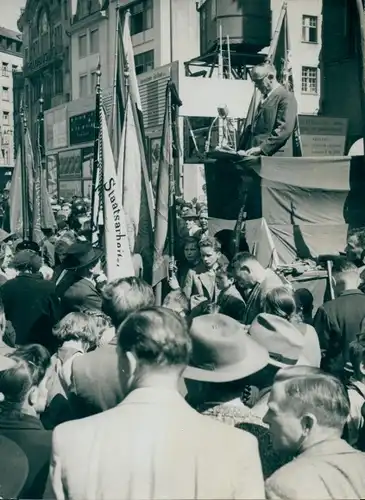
x: 15, y: 197
x: 166, y: 165
x: 130, y: 173
x: 118, y: 256
x: 37, y: 191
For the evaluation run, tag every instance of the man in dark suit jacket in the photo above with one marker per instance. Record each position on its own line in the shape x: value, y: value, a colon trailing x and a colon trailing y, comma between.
x: 338, y: 321
x: 98, y: 382
x: 275, y: 117
x: 76, y: 286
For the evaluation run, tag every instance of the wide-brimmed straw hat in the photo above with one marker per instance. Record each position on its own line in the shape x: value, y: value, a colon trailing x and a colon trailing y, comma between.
x: 81, y: 254
x: 284, y: 342
x: 223, y: 351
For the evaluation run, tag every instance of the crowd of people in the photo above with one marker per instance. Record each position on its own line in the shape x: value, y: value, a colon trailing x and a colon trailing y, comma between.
x: 234, y: 388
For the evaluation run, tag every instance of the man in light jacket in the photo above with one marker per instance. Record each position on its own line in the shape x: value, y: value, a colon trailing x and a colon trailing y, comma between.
x: 154, y: 445
x: 307, y: 413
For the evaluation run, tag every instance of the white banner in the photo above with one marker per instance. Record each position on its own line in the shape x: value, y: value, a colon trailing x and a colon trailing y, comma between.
x: 117, y: 252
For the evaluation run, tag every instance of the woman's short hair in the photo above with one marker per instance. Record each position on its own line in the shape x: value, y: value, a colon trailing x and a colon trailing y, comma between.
x: 177, y: 301
x: 157, y: 336
x: 77, y: 326
x: 102, y: 321
x: 309, y: 390
x: 124, y: 296
x: 210, y: 241
x: 280, y: 302
x: 27, y: 261
x: 33, y: 361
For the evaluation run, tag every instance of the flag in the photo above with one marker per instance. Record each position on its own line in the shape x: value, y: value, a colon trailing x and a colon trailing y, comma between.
x: 163, y: 198
x: 118, y: 256
x: 130, y: 172
x: 37, y: 192
x: 288, y: 82
x: 133, y: 177
x: 15, y: 197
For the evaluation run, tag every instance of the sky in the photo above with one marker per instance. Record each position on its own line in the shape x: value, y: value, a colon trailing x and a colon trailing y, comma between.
x: 10, y: 13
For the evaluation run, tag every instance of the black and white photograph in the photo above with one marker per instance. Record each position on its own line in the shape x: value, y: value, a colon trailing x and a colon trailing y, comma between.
x: 182, y: 249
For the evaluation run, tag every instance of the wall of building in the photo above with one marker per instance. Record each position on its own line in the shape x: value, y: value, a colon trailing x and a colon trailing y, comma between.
x: 8, y: 64
x: 340, y: 89
x: 303, y: 53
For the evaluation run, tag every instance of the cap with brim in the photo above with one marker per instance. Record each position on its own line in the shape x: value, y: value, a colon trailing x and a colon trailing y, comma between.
x: 223, y: 351
x: 81, y: 254
x: 284, y: 342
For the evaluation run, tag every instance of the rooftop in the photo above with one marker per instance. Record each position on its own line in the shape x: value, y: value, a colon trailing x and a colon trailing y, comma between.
x: 14, y: 35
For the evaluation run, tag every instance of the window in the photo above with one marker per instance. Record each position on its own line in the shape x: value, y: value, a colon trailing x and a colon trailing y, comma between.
x: 309, y: 80
x: 6, y: 156
x: 5, y: 117
x: 6, y: 138
x: 310, y: 29
x: 83, y: 86
x: 14, y: 67
x: 5, y: 93
x: 93, y: 81
x: 94, y: 41
x: 82, y: 46
x: 58, y: 81
x: 5, y: 67
x: 141, y: 16
x: 144, y: 62
x: 57, y: 34
x: 44, y: 32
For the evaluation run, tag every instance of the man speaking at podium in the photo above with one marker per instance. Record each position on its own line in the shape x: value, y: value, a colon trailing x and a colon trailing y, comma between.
x: 275, y: 117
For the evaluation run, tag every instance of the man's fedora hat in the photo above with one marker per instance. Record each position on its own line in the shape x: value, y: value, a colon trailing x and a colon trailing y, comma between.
x: 81, y: 254
x: 284, y: 342
x: 189, y: 214
x: 222, y: 350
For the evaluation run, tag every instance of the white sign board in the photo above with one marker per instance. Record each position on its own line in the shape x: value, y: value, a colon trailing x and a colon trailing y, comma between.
x: 321, y: 136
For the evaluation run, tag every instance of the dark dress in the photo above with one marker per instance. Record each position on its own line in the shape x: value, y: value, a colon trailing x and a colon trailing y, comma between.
x: 31, y: 304
x: 28, y: 433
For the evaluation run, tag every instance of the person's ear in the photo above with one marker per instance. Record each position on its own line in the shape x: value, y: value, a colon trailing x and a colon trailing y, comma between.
x: 33, y: 396
x: 308, y: 421
x: 362, y: 369
x: 132, y: 363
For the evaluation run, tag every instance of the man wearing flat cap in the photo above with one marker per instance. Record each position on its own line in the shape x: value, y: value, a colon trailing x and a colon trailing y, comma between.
x: 275, y: 117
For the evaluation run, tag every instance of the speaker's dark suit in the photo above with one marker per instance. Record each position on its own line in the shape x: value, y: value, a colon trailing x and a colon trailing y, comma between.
x: 274, y: 122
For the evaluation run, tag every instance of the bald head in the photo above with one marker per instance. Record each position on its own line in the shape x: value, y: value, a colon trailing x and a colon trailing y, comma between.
x: 264, y: 77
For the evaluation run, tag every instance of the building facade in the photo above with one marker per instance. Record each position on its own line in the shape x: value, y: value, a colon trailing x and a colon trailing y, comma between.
x: 45, y: 26
x: 305, y: 38
x: 340, y: 83
x: 11, y: 62
x: 162, y: 31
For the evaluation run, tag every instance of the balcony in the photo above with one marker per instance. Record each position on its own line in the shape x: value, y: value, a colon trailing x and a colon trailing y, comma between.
x: 55, y: 54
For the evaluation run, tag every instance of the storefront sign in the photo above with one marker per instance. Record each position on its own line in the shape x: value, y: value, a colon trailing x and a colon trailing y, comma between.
x: 82, y: 128
x: 69, y: 164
